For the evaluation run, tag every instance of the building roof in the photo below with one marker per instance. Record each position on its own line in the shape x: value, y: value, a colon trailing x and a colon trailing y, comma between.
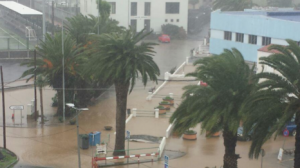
x: 266, y: 49
x: 19, y: 8
x: 282, y: 15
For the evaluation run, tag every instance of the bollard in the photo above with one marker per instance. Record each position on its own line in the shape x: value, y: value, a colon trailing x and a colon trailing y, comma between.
x: 167, y: 76
x: 171, y: 95
x: 156, y: 113
x: 134, y: 112
x: 149, y: 96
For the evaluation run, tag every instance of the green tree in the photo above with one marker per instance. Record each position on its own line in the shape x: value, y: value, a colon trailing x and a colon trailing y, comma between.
x: 217, y: 106
x: 41, y: 82
x: 50, y: 66
x: 280, y: 3
x: 120, y: 58
x: 277, y: 96
x: 193, y: 2
x: 232, y: 5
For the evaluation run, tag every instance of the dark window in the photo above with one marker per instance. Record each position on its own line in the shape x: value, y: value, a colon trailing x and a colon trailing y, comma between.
x: 166, y: 20
x: 298, y: 43
x: 252, y: 39
x: 171, y: 20
x: 177, y: 20
x: 147, y: 8
x: 266, y: 41
x: 112, y: 7
x: 147, y: 25
x: 172, y: 7
x: 239, y: 37
x: 133, y: 24
x: 227, y: 35
x: 133, y: 8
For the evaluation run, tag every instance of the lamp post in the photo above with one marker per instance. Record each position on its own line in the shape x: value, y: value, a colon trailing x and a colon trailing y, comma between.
x: 77, y: 109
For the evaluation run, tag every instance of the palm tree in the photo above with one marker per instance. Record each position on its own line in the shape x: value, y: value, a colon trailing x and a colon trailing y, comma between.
x: 193, y: 2
x: 41, y: 82
x: 278, y: 96
x: 49, y: 64
x: 232, y: 5
x: 120, y: 58
x: 217, y: 106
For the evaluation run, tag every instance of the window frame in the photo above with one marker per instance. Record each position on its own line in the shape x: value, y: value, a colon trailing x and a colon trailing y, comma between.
x: 145, y: 9
x: 168, y: 8
x: 227, y: 35
x: 266, y: 41
x: 252, y: 38
x: 239, y: 37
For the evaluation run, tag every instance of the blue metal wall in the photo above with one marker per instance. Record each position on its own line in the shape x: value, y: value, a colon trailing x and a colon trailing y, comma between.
x: 247, y: 23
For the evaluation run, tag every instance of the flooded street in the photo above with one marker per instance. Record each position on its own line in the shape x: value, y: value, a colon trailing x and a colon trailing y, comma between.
x: 55, y: 143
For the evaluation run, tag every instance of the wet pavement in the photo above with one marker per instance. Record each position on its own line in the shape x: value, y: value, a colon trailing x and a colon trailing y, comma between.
x: 54, y: 145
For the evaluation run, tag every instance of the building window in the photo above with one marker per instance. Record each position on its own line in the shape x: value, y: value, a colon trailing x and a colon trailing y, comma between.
x: 171, y: 20
x: 177, y: 20
x: 239, y: 37
x: 133, y: 8
x: 266, y: 41
x: 172, y: 7
x: 147, y: 8
x: 166, y: 20
x: 252, y: 39
x: 133, y: 24
x: 112, y: 7
x: 298, y: 43
x: 227, y: 35
x: 147, y: 24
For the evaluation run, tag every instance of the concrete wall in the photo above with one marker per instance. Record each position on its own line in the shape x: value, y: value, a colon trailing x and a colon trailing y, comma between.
x: 278, y: 30
x: 157, y: 18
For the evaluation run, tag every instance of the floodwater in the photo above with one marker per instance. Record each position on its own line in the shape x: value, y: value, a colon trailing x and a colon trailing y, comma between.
x: 55, y: 144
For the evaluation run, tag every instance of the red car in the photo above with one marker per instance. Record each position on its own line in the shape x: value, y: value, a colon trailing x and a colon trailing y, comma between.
x: 164, y: 38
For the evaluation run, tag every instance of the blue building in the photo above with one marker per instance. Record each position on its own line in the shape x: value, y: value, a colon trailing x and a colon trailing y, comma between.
x: 250, y: 30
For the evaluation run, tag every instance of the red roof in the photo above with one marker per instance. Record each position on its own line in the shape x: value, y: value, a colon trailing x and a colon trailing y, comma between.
x: 266, y: 49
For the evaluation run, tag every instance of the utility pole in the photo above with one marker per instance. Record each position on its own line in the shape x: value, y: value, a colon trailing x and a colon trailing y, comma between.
x: 35, y: 99
x: 44, y: 27
x: 3, y: 106
x: 52, y: 18
x: 63, y: 65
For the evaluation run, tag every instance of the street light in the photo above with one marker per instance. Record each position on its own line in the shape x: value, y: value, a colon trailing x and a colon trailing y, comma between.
x: 77, y: 109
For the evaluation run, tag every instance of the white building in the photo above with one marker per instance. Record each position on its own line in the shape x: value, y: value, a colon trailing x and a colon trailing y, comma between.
x: 149, y: 14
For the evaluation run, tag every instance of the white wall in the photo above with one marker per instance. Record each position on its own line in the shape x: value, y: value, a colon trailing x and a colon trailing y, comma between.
x: 157, y: 18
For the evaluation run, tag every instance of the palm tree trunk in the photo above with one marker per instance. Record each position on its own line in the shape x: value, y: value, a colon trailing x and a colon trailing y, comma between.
x: 41, y: 100
x: 121, y: 98
x: 230, y: 158
x: 59, y: 103
x: 297, y: 143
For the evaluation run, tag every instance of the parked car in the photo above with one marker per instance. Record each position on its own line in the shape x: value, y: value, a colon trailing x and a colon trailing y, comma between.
x: 291, y: 127
x: 241, y: 136
x: 164, y: 38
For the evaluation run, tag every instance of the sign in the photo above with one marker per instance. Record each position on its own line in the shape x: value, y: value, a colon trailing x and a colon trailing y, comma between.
x: 17, y: 107
x: 280, y: 154
x: 101, y: 148
x: 127, y: 135
x: 286, y: 133
x: 166, y: 161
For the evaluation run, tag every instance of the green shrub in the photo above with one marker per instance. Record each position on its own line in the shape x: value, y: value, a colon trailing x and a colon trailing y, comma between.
x: 174, y: 31
x: 55, y: 101
x: 72, y: 122
x: 60, y: 119
x: 190, y: 132
x: 168, y: 98
x: 160, y: 107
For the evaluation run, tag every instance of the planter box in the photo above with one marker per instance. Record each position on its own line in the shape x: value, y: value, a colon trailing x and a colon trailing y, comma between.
x: 162, y: 111
x: 217, y: 134
x: 190, y: 136
x: 171, y: 101
x: 166, y: 106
